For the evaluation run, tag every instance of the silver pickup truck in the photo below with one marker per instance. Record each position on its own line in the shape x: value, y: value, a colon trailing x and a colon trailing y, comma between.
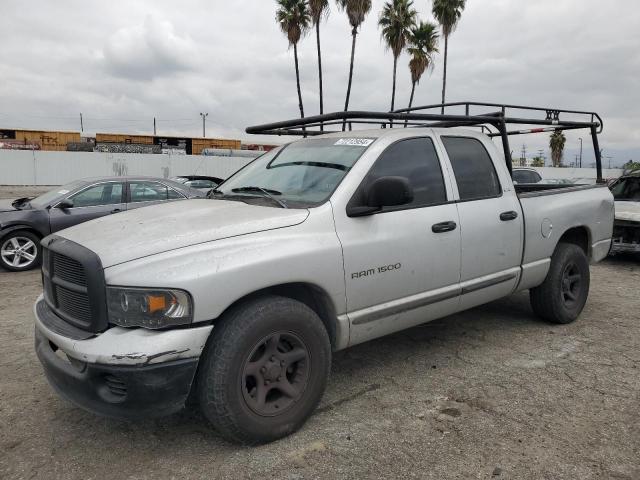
x: 237, y: 302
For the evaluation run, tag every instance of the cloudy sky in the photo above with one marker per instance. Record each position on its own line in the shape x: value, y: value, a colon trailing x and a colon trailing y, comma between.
x: 123, y: 62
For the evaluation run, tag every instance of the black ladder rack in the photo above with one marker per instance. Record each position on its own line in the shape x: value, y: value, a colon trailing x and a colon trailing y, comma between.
x: 502, y: 117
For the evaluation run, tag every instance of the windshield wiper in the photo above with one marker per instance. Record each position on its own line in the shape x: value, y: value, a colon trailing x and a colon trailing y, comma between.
x: 267, y: 192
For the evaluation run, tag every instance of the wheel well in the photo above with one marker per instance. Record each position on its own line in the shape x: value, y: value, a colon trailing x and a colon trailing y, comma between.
x: 578, y: 236
x: 17, y: 228
x: 312, y: 296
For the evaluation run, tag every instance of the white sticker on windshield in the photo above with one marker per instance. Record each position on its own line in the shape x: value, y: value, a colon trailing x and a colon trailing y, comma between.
x: 355, y: 142
x: 63, y: 192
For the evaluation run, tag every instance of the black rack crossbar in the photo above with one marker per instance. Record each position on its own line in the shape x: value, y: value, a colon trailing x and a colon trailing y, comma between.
x: 422, y: 117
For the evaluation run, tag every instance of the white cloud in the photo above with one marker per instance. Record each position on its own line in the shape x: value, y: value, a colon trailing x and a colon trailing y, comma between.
x: 148, y: 51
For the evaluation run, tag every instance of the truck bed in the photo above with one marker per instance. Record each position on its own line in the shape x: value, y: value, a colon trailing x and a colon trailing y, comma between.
x: 540, y: 189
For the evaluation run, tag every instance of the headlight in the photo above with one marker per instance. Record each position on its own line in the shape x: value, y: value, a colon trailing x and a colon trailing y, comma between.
x: 148, y: 308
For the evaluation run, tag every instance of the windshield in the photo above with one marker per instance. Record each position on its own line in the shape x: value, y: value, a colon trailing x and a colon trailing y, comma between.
x: 627, y: 189
x: 57, y: 193
x: 181, y: 180
x: 301, y: 174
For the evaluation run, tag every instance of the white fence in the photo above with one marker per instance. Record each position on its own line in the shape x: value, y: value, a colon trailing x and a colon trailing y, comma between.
x: 57, y: 168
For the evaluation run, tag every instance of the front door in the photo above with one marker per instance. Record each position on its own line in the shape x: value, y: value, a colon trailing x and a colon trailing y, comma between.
x: 92, y: 202
x: 402, y: 265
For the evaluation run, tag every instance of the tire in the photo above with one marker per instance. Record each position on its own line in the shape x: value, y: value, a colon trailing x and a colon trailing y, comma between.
x: 243, y: 386
x: 563, y: 294
x: 20, y: 251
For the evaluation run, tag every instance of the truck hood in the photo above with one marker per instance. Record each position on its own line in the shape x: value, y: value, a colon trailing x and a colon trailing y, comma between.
x: 628, y: 211
x: 160, y: 228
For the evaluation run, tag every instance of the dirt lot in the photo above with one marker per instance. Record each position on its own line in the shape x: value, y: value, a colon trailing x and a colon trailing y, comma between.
x: 489, y: 393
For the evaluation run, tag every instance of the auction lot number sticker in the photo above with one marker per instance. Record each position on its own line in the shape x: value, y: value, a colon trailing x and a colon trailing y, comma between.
x: 355, y: 142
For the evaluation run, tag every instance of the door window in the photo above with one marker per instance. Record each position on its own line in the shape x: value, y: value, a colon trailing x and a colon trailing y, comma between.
x: 148, y: 192
x: 103, y: 194
x: 416, y: 160
x: 473, y: 168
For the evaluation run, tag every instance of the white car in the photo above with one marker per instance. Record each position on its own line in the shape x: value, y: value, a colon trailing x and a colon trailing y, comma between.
x: 626, y: 230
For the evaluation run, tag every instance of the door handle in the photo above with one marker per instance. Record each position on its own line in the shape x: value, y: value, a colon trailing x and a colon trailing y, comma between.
x: 444, y: 227
x: 116, y: 210
x: 506, y: 216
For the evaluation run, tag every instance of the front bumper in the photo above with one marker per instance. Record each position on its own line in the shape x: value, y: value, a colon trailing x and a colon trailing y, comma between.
x: 122, y: 373
x: 129, y: 392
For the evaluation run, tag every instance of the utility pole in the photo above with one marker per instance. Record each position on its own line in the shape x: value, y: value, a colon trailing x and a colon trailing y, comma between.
x: 154, y: 126
x: 580, y: 151
x: 541, y: 155
x: 81, y: 124
x: 204, y: 124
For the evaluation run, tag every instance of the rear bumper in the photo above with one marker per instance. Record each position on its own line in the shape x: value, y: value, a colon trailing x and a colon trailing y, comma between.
x: 620, y: 247
x: 129, y: 392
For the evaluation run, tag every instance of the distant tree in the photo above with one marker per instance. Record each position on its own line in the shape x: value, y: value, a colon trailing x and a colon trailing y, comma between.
x: 448, y: 13
x: 557, y: 141
x: 319, y: 9
x: 294, y: 20
x: 423, y: 44
x: 537, y: 162
x: 631, y: 166
x: 356, y: 11
x: 397, y: 19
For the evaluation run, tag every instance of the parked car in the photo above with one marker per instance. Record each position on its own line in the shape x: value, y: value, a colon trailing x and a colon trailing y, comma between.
x: 199, y: 182
x: 526, y: 175
x: 238, y: 301
x: 25, y: 221
x: 626, y: 228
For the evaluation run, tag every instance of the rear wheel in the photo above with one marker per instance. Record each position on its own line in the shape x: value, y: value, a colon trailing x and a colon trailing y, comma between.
x: 20, y: 251
x: 563, y: 294
x: 264, y: 369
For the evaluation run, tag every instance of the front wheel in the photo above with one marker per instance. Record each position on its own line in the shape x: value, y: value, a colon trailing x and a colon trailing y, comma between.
x: 563, y: 294
x: 20, y: 251
x: 264, y: 369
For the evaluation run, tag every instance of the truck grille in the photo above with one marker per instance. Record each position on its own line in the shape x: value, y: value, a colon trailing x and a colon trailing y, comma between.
x: 69, y: 270
x: 73, y: 283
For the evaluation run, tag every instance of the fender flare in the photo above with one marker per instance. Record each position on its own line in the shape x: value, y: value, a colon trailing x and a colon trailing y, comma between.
x: 12, y: 228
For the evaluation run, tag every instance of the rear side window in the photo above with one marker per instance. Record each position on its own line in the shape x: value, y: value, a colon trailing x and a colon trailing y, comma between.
x: 147, y: 192
x: 416, y: 160
x: 526, y: 176
x: 473, y: 168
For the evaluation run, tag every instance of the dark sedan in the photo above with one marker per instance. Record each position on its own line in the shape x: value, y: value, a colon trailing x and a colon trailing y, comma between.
x: 25, y: 221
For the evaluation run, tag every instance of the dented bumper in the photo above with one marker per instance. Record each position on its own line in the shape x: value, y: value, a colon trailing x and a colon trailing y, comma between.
x: 122, y: 373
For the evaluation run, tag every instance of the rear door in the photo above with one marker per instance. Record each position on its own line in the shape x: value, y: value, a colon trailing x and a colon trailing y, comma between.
x: 142, y: 193
x: 402, y: 264
x: 491, y: 220
x: 94, y: 201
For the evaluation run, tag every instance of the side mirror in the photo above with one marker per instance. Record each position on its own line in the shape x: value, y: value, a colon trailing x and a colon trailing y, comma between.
x: 66, y: 203
x: 383, y: 192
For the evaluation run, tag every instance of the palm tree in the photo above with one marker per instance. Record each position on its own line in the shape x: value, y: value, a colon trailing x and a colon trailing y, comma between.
x: 293, y: 18
x: 318, y: 10
x: 397, y: 19
x: 556, y: 144
x: 356, y: 11
x: 423, y: 43
x: 448, y: 13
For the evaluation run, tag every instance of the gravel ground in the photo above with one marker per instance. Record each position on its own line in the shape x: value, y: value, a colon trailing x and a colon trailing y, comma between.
x: 488, y: 393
